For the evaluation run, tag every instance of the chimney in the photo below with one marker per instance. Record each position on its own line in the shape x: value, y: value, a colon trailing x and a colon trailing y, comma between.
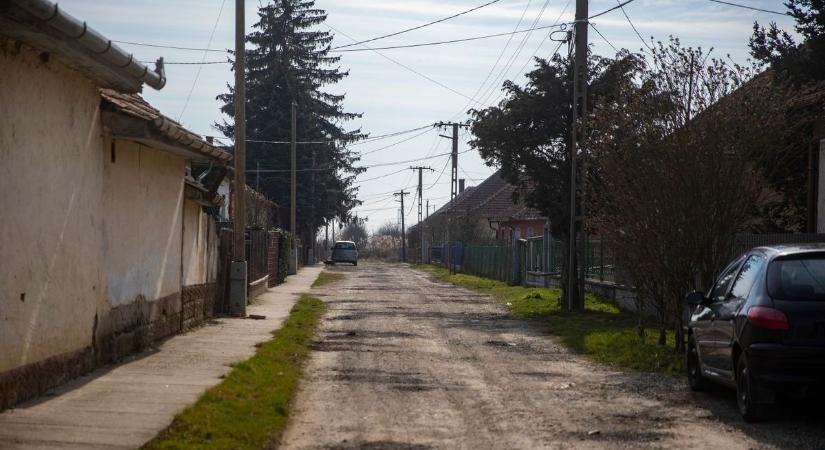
x: 461, y: 185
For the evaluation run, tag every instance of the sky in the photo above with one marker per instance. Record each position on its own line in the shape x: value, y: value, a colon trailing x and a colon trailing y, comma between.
x: 402, y: 89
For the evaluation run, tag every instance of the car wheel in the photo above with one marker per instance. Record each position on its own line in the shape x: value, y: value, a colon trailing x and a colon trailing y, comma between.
x: 696, y: 380
x: 355, y: 263
x: 745, y: 389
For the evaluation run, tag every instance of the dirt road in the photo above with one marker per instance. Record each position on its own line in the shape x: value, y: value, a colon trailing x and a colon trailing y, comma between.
x: 405, y: 362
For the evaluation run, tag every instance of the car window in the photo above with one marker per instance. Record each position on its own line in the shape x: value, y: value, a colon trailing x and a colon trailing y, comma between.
x: 344, y: 246
x: 798, y: 279
x: 747, y: 276
x: 720, y: 289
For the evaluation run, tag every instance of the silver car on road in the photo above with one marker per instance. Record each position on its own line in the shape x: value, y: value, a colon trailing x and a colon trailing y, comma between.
x: 345, y: 251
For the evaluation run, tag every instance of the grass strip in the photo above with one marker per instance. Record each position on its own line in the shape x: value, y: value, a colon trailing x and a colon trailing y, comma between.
x: 326, y: 277
x: 603, y: 331
x: 249, y: 408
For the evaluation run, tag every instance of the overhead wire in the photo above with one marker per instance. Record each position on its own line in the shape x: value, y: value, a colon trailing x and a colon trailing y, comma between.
x: 363, y: 141
x: 369, y: 166
x: 200, y: 67
x: 396, y: 143
x: 494, y: 88
x: 593, y: 26
x: 493, y: 68
x: 750, y: 7
x: 626, y: 16
x: 432, y: 80
x: 546, y: 36
x: 417, y: 27
x: 608, y: 10
x: 143, y: 44
x: 200, y: 49
x: 450, y: 41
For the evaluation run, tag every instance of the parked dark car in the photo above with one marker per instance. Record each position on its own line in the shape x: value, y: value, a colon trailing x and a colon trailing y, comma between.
x: 761, y: 328
x: 345, y: 251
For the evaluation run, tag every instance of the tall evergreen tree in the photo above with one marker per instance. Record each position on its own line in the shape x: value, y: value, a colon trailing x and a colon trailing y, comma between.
x: 289, y: 61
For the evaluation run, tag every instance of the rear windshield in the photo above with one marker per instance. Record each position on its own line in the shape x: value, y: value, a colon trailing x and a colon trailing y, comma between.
x: 344, y: 246
x: 801, y: 278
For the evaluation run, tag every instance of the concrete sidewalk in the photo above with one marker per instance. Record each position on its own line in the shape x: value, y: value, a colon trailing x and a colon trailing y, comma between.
x: 126, y: 405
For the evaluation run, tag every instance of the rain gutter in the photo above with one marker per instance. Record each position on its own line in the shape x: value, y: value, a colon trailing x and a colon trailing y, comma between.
x: 108, y: 52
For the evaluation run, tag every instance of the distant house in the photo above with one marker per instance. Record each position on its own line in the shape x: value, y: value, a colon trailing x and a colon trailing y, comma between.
x: 489, y: 211
x: 105, y: 242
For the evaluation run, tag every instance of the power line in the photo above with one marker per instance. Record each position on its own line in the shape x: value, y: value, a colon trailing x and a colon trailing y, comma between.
x: 408, y: 68
x: 363, y: 141
x: 492, y: 92
x: 451, y: 41
x: 397, y: 143
x: 444, y: 169
x: 200, y: 67
x: 750, y: 7
x: 417, y: 27
x: 649, y: 48
x: 493, y: 68
x: 369, y: 166
x: 382, y: 176
x: 190, y: 63
x: 602, y: 36
x: 142, y: 44
x: 609, y: 10
x: 546, y: 36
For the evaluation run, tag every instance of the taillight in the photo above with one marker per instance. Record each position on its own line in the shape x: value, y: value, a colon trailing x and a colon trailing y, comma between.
x: 764, y: 317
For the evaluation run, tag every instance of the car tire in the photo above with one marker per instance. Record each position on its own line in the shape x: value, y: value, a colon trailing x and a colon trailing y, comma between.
x: 746, y: 387
x: 696, y: 381
x: 355, y: 263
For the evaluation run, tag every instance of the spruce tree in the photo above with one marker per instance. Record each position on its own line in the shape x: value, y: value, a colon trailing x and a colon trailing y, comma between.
x: 289, y: 61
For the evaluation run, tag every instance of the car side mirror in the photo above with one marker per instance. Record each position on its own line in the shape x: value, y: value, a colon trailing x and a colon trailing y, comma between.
x: 695, y: 298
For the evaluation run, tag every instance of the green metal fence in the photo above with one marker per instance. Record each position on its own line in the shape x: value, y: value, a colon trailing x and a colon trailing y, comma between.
x: 490, y: 261
x: 497, y: 260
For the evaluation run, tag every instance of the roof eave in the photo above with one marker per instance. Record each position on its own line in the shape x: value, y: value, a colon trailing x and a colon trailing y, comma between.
x: 43, y: 25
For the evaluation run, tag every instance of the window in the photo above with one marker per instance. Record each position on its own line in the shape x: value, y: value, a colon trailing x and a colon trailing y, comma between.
x: 344, y: 246
x: 798, y: 279
x: 747, y: 276
x: 720, y: 289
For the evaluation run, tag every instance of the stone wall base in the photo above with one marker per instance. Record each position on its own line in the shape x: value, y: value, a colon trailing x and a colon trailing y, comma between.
x: 125, y: 330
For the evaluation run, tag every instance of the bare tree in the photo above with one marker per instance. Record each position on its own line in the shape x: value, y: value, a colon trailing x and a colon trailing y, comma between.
x: 355, y: 232
x: 673, y: 179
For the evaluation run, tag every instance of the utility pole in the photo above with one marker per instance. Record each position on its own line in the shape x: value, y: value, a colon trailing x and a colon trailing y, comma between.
x: 453, y: 185
x: 401, y: 194
x: 238, y: 269
x: 576, y: 302
x: 293, y: 184
x: 420, y: 169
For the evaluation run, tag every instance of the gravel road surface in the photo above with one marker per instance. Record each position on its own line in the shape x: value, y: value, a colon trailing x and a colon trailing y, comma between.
x: 403, y: 361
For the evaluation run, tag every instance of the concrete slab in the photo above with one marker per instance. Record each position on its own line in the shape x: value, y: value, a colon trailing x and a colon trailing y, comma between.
x: 126, y: 405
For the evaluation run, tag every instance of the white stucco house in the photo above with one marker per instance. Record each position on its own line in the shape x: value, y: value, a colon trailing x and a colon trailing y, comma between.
x: 105, y: 244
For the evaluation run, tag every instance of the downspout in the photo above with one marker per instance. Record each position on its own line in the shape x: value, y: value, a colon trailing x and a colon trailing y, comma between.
x: 498, y: 226
x: 93, y: 41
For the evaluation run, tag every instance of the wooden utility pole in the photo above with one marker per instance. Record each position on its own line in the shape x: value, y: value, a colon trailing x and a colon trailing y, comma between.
x: 401, y: 194
x: 238, y: 269
x: 293, y: 184
x: 453, y: 185
x: 420, y: 170
x: 576, y: 302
